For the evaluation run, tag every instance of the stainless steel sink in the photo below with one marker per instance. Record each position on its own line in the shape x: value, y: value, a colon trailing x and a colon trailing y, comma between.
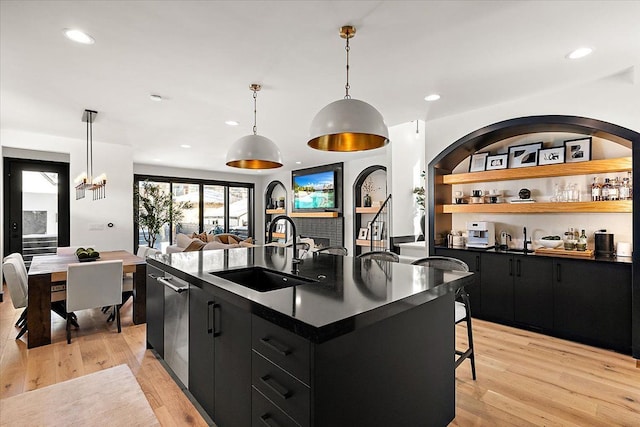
x: 261, y: 279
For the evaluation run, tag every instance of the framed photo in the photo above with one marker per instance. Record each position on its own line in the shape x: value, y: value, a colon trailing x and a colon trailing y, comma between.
x: 577, y: 150
x: 478, y: 162
x: 522, y: 156
x: 499, y: 161
x: 376, y: 229
x: 281, y: 228
x: 363, y: 234
x: 551, y: 156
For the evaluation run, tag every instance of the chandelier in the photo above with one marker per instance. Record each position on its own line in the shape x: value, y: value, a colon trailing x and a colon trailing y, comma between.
x: 85, y: 181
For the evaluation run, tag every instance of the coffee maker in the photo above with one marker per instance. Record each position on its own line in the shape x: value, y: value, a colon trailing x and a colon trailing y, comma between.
x: 481, y: 234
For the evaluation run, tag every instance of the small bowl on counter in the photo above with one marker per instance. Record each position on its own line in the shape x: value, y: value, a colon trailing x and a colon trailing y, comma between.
x: 550, y: 243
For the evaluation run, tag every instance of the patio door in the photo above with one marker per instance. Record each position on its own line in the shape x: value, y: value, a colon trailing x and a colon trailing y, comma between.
x: 36, y: 207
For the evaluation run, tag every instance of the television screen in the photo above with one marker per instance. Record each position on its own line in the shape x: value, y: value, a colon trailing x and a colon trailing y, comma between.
x: 314, y: 191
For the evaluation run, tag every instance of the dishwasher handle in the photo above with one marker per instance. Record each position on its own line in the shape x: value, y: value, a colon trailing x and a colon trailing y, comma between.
x: 171, y: 286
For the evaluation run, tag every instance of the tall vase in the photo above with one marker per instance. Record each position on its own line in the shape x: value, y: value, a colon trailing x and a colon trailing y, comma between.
x: 367, y: 201
x: 422, y: 220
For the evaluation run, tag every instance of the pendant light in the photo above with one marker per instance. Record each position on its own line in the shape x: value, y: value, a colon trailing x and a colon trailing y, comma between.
x: 85, y: 180
x: 348, y: 124
x: 254, y: 151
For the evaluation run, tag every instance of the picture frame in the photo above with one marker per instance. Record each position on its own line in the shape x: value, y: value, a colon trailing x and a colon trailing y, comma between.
x: 478, y: 162
x: 376, y: 229
x: 280, y: 228
x: 577, y: 150
x: 551, y: 156
x: 498, y: 161
x: 523, y: 156
x: 363, y: 234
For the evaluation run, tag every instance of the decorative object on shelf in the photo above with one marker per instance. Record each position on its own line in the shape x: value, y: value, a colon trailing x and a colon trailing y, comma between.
x: 363, y: 234
x: 478, y: 162
x: 367, y: 188
x: 86, y: 181
x: 522, y: 156
x: 270, y: 204
x: 551, y: 156
x: 524, y: 193
x: 376, y: 229
x: 348, y: 124
x: 498, y: 161
x: 577, y: 150
x: 281, y: 202
x: 156, y: 208
x: 254, y: 151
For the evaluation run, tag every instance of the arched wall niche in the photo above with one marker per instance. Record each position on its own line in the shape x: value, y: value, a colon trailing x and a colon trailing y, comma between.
x: 475, y: 141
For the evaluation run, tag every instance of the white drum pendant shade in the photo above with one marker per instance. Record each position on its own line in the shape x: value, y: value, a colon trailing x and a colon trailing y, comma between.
x: 348, y: 125
x: 254, y: 152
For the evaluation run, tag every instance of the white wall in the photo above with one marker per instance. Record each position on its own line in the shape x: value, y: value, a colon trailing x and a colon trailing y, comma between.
x: 615, y: 99
x: 89, y: 218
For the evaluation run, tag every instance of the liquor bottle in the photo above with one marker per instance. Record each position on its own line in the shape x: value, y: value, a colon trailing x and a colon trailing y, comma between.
x: 614, y: 190
x: 596, y: 190
x: 625, y: 190
x: 630, y: 177
x: 605, y: 189
x: 582, y: 242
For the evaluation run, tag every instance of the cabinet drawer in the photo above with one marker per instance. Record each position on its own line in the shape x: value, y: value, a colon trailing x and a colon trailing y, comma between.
x: 265, y: 414
x: 289, y: 394
x: 282, y: 347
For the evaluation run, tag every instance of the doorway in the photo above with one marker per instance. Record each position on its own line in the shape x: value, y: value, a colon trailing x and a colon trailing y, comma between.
x: 36, y: 214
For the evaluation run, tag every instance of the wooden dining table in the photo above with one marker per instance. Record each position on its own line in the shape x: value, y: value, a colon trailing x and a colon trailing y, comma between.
x: 47, y: 271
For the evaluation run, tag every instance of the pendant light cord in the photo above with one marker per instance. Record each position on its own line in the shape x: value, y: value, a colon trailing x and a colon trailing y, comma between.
x: 255, y: 120
x: 91, y: 143
x: 347, y: 86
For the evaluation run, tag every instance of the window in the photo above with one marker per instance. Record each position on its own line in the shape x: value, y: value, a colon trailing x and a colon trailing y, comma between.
x: 216, y: 207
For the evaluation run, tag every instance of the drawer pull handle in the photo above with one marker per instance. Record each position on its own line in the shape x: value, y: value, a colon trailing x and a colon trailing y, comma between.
x: 276, y: 387
x: 268, y: 421
x: 273, y: 345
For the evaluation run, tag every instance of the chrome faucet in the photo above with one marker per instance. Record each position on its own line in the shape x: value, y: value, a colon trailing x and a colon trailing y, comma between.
x: 295, y: 261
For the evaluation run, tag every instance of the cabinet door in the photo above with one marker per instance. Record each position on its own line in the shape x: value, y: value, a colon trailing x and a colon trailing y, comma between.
x: 201, y: 348
x: 232, y: 365
x: 155, y: 310
x: 592, y: 302
x: 472, y: 258
x: 496, y: 282
x: 533, y: 291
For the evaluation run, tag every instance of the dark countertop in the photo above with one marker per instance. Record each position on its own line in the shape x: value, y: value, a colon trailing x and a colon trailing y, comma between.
x: 619, y: 260
x: 354, y: 294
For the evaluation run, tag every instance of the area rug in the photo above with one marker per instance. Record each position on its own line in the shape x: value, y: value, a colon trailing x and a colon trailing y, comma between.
x: 109, y: 397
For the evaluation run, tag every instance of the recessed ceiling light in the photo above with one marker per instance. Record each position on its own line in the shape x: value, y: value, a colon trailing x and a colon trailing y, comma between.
x: 78, y: 36
x: 157, y: 160
x: 156, y: 98
x: 579, y: 53
x: 185, y: 146
x: 298, y: 162
x: 432, y: 97
x: 231, y: 123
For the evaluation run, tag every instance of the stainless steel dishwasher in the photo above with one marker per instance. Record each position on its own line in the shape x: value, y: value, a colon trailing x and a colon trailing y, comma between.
x: 176, y: 326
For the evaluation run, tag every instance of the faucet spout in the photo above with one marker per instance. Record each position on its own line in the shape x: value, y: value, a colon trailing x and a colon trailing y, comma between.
x: 526, y: 242
x: 295, y: 261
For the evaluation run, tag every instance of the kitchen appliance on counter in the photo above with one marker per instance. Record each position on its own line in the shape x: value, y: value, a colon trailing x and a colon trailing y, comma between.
x: 604, y: 243
x: 481, y: 234
x: 624, y: 249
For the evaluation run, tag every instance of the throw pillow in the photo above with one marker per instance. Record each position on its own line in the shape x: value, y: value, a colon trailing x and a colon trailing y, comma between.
x: 182, y: 240
x: 195, y: 245
x: 202, y: 236
x: 232, y: 241
x: 218, y: 245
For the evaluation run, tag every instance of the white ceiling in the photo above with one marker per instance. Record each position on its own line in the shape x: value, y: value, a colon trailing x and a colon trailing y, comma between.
x: 201, y: 57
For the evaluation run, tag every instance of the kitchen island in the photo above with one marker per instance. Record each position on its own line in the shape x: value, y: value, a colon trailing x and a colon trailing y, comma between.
x: 352, y: 342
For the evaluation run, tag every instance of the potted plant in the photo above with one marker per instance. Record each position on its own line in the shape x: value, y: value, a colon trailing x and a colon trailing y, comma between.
x: 156, y: 208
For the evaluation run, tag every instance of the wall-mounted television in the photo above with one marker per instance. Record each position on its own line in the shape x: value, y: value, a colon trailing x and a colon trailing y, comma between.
x: 318, y: 188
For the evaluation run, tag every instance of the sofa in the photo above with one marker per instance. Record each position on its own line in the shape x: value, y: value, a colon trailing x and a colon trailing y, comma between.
x: 205, y: 242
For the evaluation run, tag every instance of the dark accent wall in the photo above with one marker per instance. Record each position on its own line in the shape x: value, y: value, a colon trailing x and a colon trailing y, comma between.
x: 325, y: 228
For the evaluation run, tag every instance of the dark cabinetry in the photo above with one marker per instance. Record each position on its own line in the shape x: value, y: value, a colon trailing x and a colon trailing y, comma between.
x: 592, y: 302
x: 155, y: 310
x: 220, y: 358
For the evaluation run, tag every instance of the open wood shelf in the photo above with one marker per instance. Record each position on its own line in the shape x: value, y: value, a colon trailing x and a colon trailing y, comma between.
x: 314, y: 214
x: 367, y: 243
x: 367, y: 210
x: 617, y: 206
x: 275, y: 211
x: 563, y: 169
x: 278, y: 235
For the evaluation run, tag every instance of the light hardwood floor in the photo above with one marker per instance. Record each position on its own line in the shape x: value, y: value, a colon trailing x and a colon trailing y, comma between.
x: 524, y: 379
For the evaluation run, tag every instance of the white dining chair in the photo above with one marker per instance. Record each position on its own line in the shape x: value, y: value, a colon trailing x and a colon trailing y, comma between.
x: 92, y: 285
x: 17, y: 286
x: 71, y: 250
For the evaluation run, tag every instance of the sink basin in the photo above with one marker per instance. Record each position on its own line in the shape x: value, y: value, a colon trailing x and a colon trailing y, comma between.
x: 262, y: 279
